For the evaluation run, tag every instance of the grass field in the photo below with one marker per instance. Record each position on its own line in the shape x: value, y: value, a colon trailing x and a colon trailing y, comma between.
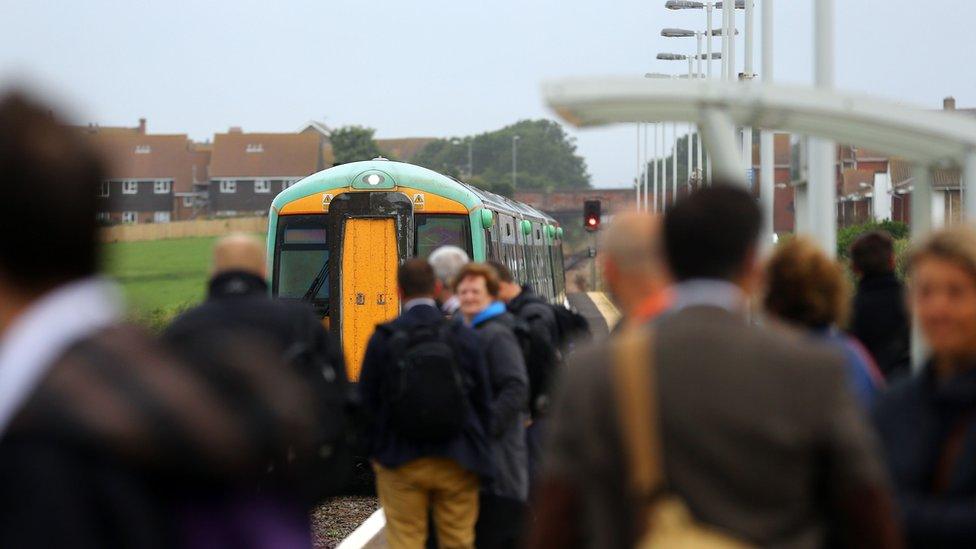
x: 160, y: 277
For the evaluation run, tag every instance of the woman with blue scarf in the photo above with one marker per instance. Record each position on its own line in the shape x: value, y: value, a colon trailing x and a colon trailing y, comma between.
x: 503, y: 502
x: 808, y: 290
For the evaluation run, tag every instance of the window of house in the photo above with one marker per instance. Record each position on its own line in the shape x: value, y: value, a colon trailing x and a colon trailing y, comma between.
x: 262, y: 186
x: 103, y: 217
x: 130, y: 217
x: 187, y: 201
x: 162, y: 187
x: 227, y: 186
x: 130, y: 187
x: 160, y: 217
x: 143, y: 149
x: 254, y: 148
x: 103, y: 189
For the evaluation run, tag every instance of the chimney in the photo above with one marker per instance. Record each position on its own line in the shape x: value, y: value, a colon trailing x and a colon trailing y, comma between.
x: 949, y: 104
x: 142, y: 126
x: 235, y: 129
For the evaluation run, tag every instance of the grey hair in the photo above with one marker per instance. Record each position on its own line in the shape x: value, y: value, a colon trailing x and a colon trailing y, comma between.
x: 447, y: 262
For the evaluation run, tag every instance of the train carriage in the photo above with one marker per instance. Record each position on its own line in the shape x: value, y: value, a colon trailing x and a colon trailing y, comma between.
x: 336, y: 238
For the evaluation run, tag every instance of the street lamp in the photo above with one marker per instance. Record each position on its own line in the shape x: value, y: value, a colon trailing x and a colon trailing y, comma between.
x: 515, y: 140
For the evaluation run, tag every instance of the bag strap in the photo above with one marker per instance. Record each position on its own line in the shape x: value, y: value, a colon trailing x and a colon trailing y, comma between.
x: 635, y: 389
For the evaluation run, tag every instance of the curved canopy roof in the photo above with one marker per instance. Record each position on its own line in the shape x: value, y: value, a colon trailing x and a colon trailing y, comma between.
x: 923, y: 136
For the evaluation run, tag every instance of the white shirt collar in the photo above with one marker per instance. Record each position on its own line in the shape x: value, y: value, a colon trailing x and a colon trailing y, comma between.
x: 419, y: 301
x: 44, y: 331
x: 710, y: 292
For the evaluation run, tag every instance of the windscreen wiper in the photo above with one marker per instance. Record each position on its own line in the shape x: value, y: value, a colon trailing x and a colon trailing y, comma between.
x: 317, y: 282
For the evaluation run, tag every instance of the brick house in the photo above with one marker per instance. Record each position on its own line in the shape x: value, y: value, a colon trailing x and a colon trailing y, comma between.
x: 150, y: 177
x: 872, y: 185
x: 784, y: 209
x: 247, y: 170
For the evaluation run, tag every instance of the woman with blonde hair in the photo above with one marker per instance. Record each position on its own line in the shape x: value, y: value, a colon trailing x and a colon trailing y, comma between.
x: 927, y: 422
x: 808, y: 290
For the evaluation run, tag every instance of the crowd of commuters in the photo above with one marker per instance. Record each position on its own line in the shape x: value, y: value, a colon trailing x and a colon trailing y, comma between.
x: 733, y: 404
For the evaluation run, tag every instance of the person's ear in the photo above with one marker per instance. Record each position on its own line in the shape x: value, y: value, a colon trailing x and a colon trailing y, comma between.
x: 438, y: 286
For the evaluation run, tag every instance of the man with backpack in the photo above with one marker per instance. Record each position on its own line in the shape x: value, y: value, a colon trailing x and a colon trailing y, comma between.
x: 238, y: 308
x: 424, y: 388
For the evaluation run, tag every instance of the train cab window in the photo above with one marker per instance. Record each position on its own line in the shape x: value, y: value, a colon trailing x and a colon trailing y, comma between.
x: 431, y: 231
x: 301, y: 255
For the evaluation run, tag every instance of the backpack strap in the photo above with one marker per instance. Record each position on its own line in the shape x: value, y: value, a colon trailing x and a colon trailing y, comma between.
x: 635, y: 389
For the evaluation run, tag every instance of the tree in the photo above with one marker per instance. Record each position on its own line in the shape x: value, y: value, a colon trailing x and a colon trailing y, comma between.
x: 353, y: 143
x: 546, y: 158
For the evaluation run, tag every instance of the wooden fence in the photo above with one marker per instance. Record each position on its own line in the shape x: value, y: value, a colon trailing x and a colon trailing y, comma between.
x: 184, y: 229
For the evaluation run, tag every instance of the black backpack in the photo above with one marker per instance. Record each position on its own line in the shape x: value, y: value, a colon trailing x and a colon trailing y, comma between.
x: 572, y: 327
x: 428, y: 401
x: 541, y: 362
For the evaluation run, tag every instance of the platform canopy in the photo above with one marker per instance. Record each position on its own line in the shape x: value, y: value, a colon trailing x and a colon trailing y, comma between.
x: 934, y: 138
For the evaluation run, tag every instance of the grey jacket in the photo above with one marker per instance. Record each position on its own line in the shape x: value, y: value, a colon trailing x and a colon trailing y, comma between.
x: 509, y: 407
x: 758, y: 428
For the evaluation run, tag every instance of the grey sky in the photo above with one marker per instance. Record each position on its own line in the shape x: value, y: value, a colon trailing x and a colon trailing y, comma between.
x: 430, y: 67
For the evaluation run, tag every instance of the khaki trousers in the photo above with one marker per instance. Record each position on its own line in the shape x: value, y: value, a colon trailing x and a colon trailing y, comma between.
x: 439, y: 485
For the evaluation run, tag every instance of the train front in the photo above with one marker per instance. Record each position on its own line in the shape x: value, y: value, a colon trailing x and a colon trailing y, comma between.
x: 335, y: 240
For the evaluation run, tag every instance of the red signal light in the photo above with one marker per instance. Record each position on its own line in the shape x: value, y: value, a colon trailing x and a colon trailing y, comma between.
x: 591, y: 215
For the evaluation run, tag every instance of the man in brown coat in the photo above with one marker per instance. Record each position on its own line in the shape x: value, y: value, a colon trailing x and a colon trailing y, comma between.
x: 105, y: 440
x: 761, y: 436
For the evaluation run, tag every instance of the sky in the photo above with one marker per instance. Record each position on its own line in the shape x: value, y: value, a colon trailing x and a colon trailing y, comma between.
x: 431, y: 67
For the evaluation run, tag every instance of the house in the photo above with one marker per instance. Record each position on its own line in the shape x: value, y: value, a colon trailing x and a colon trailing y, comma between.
x: 150, y: 178
x: 247, y: 170
x: 873, y: 185
x: 784, y: 208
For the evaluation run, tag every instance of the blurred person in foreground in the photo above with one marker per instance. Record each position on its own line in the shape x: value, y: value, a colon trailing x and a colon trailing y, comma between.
x: 105, y: 439
x: 447, y: 262
x: 879, y: 318
x: 927, y: 422
x: 503, y: 501
x: 759, y: 435
x: 633, y: 268
x: 424, y: 388
x: 807, y: 290
x: 238, y: 305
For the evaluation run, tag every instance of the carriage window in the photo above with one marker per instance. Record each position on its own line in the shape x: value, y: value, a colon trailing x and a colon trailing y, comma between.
x: 302, y: 252
x: 433, y: 231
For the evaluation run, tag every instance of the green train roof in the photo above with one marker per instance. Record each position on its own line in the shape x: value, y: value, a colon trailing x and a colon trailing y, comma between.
x: 406, y: 175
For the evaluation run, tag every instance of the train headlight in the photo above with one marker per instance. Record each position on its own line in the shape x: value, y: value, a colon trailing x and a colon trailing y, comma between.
x: 373, y: 179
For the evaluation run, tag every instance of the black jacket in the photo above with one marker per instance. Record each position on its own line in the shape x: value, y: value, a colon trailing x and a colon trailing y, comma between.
x: 536, y: 311
x: 881, y: 322
x: 915, y: 419
x: 238, y: 305
x: 470, y: 450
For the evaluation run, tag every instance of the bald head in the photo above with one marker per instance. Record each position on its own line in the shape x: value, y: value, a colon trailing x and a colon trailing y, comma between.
x: 239, y: 252
x: 631, y: 241
x: 631, y: 258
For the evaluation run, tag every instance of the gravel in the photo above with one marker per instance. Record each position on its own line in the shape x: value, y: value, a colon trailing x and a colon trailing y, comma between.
x: 338, y: 517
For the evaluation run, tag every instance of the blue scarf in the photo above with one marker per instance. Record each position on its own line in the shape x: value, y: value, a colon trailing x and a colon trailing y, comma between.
x: 491, y: 311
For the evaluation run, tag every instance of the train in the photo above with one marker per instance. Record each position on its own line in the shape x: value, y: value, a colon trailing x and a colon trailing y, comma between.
x: 336, y: 238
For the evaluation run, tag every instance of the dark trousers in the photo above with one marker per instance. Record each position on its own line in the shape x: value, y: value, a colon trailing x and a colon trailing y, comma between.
x: 500, y: 522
